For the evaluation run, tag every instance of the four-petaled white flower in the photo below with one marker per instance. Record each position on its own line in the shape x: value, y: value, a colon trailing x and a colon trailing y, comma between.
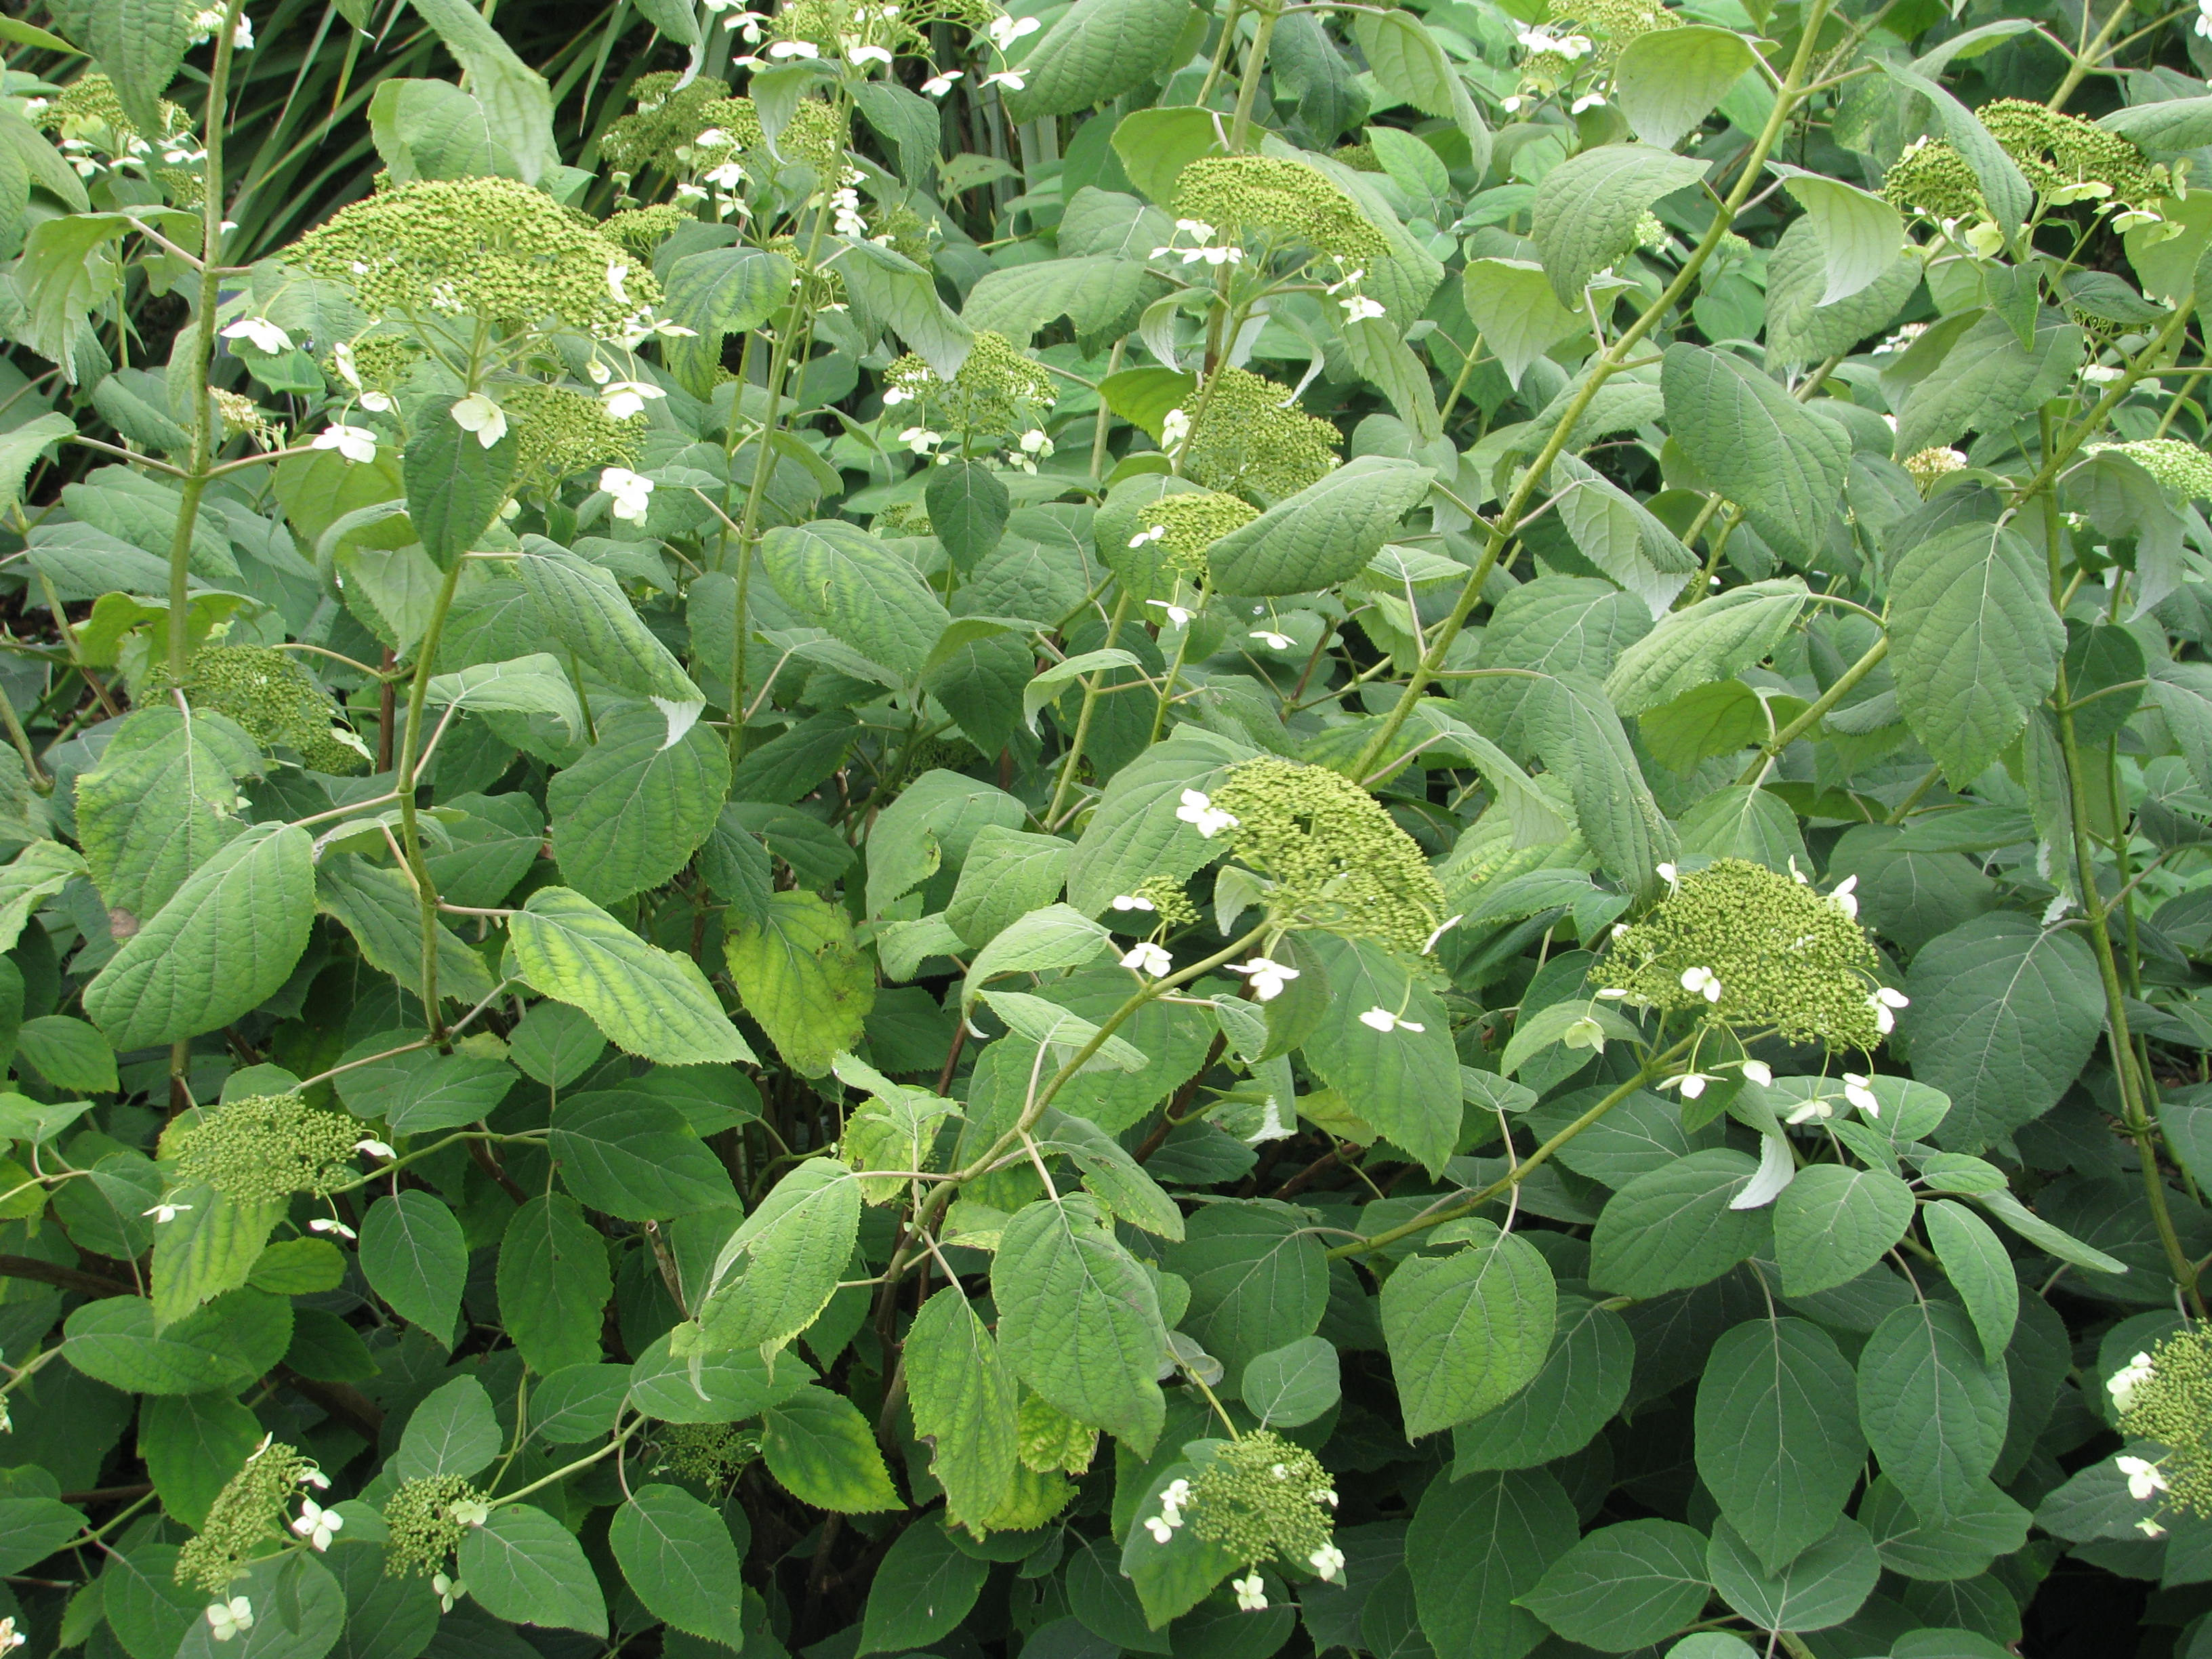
x: 1884, y: 1002
x: 869, y: 54
x: 624, y: 399
x: 1035, y: 442
x: 316, y: 1524
x: 1668, y: 874
x: 478, y: 414
x: 1163, y: 1526
x: 1149, y: 958
x: 1175, y: 427
x: 1703, y: 981
x: 2203, y: 24
x: 449, y: 1591
x: 1179, y: 615
x: 1132, y: 901
x: 166, y: 1212
x: 374, y: 1149
x: 356, y: 443
x: 1005, y: 31
x: 1273, y: 640
x: 1198, y: 812
x: 468, y: 1512
x: 1382, y: 1019
x: 1328, y: 1560
x: 921, y: 439
x: 2122, y: 1383
x: 1584, y: 1033
x: 1692, y: 1084
x: 1820, y: 1106
x: 1759, y: 1072
x: 2144, y: 1481
x: 259, y: 333
x: 323, y: 1224
x: 632, y: 492
x: 1859, y: 1091
x: 1266, y: 978
x: 1251, y: 1594
x: 1359, y: 308
x: 1012, y: 79
x: 1844, y: 899
x: 938, y: 85
x: 227, y: 1619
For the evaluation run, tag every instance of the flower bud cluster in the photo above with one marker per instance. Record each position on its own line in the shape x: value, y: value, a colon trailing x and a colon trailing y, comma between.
x: 640, y: 230
x: 1337, y: 860
x: 260, y: 1148
x: 489, y: 248
x: 271, y: 694
x: 1251, y: 439
x: 2179, y: 466
x: 2065, y: 158
x: 423, y: 1520
x: 998, y: 399
x: 560, y: 433
x: 1749, y: 948
x: 95, y: 136
x: 1260, y: 1497
x: 1161, y: 898
x: 711, y: 1452
x: 249, y: 1514
x: 1263, y: 199
x: 1927, y: 465
x: 2168, y: 1399
x: 1185, y: 525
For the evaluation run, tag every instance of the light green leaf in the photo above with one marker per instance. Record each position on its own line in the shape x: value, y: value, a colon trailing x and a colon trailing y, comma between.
x: 1098, y: 49
x: 2052, y: 1241
x: 525, y: 1567
x: 676, y: 1553
x: 1713, y: 640
x: 1007, y: 873
x: 635, y: 1157
x: 553, y: 1283
x: 935, y: 818
x: 1672, y: 1228
x: 2003, y: 187
x: 452, y: 1431
x: 631, y: 812
x: 1290, y: 1386
x: 1512, y: 303
x: 964, y: 1400
x: 1468, y: 1330
x: 535, y: 684
x: 1781, y: 462
x: 515, y: 96
x: 454, y: 484
x: 719, y: 292
x: 840, y: 578
x: 779, y: 1269
x: 1407, y: 1081
x: 585, y: 609
x: 1667, y: 82
x: 801, y: 976
x: 1625, y: 1585
x: 893, y: 292
x: 142, y: 45
x: 1977, y: 642
x: 1975, y: 1261
x: 223, y: 944
x: 29, y: 879
x: 1586, y: 209
x: 380, y: 910
x: 1832, y: 1223
x: 1934, y: 1410
x: 1079, y: 1320
x: 1778, y: 1437
x: 415, y: 1256
x: 1092, y: 293
x: 921, y: 1591
x: 1859, y: 235
x: 1326, y: 532
x: 823, y: 1450
x: 1046, y: 688
x: 1572, y: 724
x: 1620, y: 536
x: 1114, y: 1177
x: 208, y: 1248
x: 20, y: 449
x: 649, y: 1002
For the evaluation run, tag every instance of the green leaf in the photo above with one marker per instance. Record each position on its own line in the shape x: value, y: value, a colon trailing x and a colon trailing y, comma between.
x: 1983, y: 380
x: 1673, y: 1228
x: 1620, y: 536
x: 968, y: 506
x: 1586, y: 209
x: 66, y: 270
x: 1057, y: 935
x: 1976, y: 1263
x: 68, y: 1053
x: 1114, y: 1177
x: 1716, y: 639
x: 1093, y: 293
x: 1782, y: 462
x: 29, y: 880
x: 1257, y: 1279
x: 2003, y: 187
x: 678, y: 1555
x: 1098, y: 49
x: 525, y: 1566
x: 147, y: 1609
x: 1512, y: 303
x: 777, y: 1271
x: 1290, y: 1386
x: 514, y: 96
x: 378, y: 908
x: 208, y: 1248
x: 1469, y: 1330
x: 193, y: 1444
x: 823, y: 1450
x: 1832, y: 1223
x: 423, y: 1091
x: 452, y: 1431
x: 1778, y: 1437
x: 840, y: 578
x: 711, y: 1388
x: 1976, y: 644
x: 934, y: 819
x: 531, y: 684
x: 719, y: 292
x: 1934, y: 1410
x: 223, y: 943
x: 415, y: 1256
x: 635, y: 1157
x: 1079, y: 1320
x: 964, y: 1400
x: 585, y: 609
x: 1475, y: 1547
x: 1405, y: 1081
x: 649, y: 1002
x: 224, y: 1345
x: 1667, y: 82
x: 631, y: 812
x: 142, y: 45
x: 1580, y: 1387
x: 921, y: 1591
x: 1859, y: 235
x: 1410, y: 66
x: 306, y: 1613
x: 801, y: 976
x: 1571, y: 723
x: 1962, y: 1546
x: 1007, y: 873
x: 1326, y: 532
x: 454, y: 484
x: 1625, y: 1585
x: 2051, y: 1240
x: 2004, y: 1015
x: 553, y: 1283
x: 890, y: 290
x: 1821, y: 1587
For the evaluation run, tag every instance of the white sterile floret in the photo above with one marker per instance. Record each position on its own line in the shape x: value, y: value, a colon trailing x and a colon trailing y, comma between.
x: 1382, y: 1019
x: 1198, y: 809
x: 938, y: 85
x: 1692, y: 1084
x: 1153, y: 534
x: 374, y: 1149
x: 317, y: 1524
x: 624, y: 399
x: 1844, y: 899
x: 1329, y: 1560
x: 323, y: 1224
x: 1251, y: 1594
x: 1148, y: 958
x: 2144, y: 1480
x: 1757, y: 1070
x: 448, y: 1590
x: 632, y: 493
x: 480, y: 414
x: 1266, y: 978
x: 166, y: 1212
x: 1859, y: 1091
x: 1703, y: 982
x: 354, y: 443
x: 1884, y: 1002
x: 1005, y: 31
x: 1273, y: 640
x: 2122, y: 1383
x: 1010, y: 79
x: 1359, y: 308
x: 227, y: 1619
x: 1132, y: 901
x: 259, y: 333
x: 10, y: 1638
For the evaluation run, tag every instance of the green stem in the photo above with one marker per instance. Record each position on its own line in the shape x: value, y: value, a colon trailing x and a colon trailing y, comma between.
x: 410, y: 838
x: 1249, y: 91
x: 2087, y: 59
x: 1811, y: 716
x: 1074, y: 754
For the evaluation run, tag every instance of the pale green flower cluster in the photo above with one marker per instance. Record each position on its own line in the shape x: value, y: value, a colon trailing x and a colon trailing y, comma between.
x: 260, y: 1148
x: 701, y: 128
x: 2182, y: 467
x: 1753, y: 948
x: 1337, y: 860
x: 1185, y: 525
x: 997, y: 397
x: 1267, y: 198
x: 1927, y: 465
x: 710, y: 1453
x: 247, y: 1516
x: 1260, y: 1498
x: 87, y: 119
x: 271, y: 694
x: 1250, y: 437
x: 493, y: 249
x: 560, y: 433
x: 2168, y: 1399
x: 2064, y: 158
x: 421, y: 1526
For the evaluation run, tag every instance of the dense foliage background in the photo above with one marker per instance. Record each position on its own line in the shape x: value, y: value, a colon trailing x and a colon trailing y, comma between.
x: 1197, y: 830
